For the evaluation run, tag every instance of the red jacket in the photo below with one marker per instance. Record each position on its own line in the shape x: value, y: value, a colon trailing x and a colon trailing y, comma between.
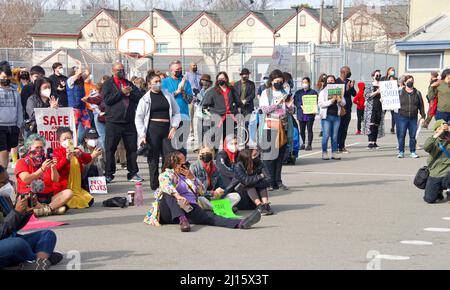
x: 63, y: 167
x: 359, y: 99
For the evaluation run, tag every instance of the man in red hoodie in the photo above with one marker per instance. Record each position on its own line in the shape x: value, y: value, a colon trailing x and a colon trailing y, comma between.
x: 360, y: 100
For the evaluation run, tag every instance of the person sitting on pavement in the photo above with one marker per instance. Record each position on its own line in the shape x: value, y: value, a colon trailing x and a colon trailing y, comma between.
x: 251, y: 181
x: 70, y: 165
x: 438, y: 146
x: 226, y: 159
x: 34, y: 251
x: 34, y: 167
x: 177, y: 200
x: 92, y: 146
x: 205, y: 170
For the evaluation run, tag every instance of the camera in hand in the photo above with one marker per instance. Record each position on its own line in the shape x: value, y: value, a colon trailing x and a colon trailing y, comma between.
x: 37, y: 186
x: 143, y: 150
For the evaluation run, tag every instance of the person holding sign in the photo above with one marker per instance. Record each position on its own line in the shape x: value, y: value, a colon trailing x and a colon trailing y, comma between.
x: 411, y: 103
x: 41, y: 98
x: 331, y: 102
x: 177, y: 200
x: 70, y: 166
x: 305, y: 100
x: 373, y: 125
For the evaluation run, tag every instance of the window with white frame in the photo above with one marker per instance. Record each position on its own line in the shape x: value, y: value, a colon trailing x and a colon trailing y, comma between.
x: 100, y: 45
x: 303, y: 47
x: 42, y: 45
x: 162, y: 47
x: 302, y: 20
x: 424, y: 61
x: 245, y: 46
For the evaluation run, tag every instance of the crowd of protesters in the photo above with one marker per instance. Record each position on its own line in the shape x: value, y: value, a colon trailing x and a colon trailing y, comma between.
x: 244, y: 134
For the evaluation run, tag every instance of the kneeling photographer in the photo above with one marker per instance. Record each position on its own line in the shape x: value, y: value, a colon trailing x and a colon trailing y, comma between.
x: 157, y: 119
x: 33, y: 251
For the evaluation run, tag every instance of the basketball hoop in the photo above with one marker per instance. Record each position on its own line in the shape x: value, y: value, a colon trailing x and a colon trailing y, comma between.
x: 136, y: 43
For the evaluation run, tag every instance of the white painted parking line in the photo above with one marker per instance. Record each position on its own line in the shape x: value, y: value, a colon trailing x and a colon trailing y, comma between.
x: 417, y: 243
x: 392, y: 257
x: 446, y: 218
x: 358, y: 174
x: 439, y: 230
x: 320, y: 152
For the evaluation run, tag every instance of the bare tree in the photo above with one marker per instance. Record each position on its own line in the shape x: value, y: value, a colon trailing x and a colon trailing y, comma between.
x: 17, y: 16
x: 95, y: 4
x: 225, y: 5
x: 216, y: 45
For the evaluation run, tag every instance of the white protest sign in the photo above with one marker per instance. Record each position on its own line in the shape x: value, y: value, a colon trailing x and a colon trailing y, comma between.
x: 281, y: 58
x: 49, y: 120
x: 97, y: 185
x: 390, y: 95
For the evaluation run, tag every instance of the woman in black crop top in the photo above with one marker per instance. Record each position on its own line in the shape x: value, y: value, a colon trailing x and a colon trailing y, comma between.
x: 158, y: 129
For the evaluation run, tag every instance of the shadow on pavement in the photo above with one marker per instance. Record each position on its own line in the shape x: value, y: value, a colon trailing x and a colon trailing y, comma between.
x: 288, y: 207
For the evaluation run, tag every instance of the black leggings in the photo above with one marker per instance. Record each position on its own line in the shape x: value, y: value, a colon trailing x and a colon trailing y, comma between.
x: 257, y: 193
x: 307, y: 125
x: 373, y: 136
x: 360, y: 114
x: 157, y: 132
x: 170, y: 212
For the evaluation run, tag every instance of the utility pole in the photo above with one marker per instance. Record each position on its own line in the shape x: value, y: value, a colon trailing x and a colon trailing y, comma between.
x: 297, y: 8
x: 322, y: 3
x: 341, y: 25
x: 120, y: 26
x: 151, y: 33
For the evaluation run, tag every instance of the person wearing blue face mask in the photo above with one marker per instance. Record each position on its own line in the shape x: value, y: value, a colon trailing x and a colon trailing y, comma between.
x: 411, y: 103
x: 157, y: 119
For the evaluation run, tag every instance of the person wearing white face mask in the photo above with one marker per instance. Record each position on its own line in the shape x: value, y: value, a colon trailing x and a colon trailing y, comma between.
x: 96, y: 167
x: 59, y: 81
x: 226, y: 159
x: 157, y: 119
x: 42, y: 98
x: 305, y: 120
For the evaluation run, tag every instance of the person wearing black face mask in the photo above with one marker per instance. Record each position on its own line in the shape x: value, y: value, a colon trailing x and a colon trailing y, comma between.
x: 11, y: 114
x: 222, y: 102
x: 205, y: 170
x: 121, y: 99
x: 411, y: 103
x: 246, y: 90
x: 350, y: 92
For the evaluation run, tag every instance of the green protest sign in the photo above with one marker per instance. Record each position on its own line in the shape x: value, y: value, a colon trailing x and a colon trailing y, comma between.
x: 222, y: 207
x: 335, y: 90
x: 309, y: 104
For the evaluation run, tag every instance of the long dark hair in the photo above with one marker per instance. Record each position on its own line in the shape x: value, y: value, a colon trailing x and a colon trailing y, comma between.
x: 216, y: 86
x: 245, y: 156
x: 172, y: 160
x: 38, y: 84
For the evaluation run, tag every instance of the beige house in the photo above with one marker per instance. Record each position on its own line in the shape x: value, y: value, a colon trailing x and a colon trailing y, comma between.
x: 217, y: 40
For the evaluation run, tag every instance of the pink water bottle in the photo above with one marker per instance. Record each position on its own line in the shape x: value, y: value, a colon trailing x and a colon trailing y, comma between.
x: 139, y: 196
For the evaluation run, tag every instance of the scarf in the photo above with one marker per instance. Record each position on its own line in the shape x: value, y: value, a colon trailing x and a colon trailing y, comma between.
x: 210, y: 169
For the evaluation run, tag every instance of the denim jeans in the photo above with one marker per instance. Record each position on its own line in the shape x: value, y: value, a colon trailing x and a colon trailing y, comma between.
x: 330, y: 127
x: 403, y: 124
x: 16, y: 250
x: 100, y: 130
x: 442, y: 116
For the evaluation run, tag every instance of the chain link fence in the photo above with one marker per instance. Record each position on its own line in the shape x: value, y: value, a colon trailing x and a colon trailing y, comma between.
x: 311, y: 60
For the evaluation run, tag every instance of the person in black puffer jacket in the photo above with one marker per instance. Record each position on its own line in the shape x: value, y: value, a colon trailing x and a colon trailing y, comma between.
x: 251, y: 182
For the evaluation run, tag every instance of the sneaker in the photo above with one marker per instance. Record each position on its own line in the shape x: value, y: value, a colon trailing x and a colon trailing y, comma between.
x: 370, y: 146
x: 184, y: 224
x: 414, y: 155
x: 358, y: 132
x: 60, y: 211
x: 282, y: 186
x: 302, y: 147
x: 268, y: 209
x: 345, y: 151
x: 109, y: 179
x: 250, y: 220
x: 375, y: 146
x: 136, y: 178
x: 392, y: 130
x: 273, y: 188
x: 401, y: 155
x: 56, y: 258
x: 45, y: 210
x: 39, y: 264
x: 308, y: 148
x: 262, y: 209
x: 334, y: 156
x: 325, y: 156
